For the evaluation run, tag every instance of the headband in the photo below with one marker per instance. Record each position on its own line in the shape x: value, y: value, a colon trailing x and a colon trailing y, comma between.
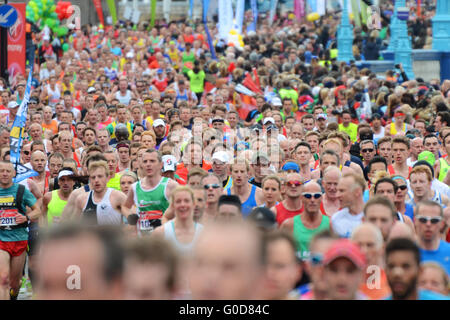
x: 122, y: 145
x: 399, y: 178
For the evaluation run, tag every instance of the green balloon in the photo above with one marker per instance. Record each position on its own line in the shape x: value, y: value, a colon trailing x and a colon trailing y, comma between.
x: 65, y: 47
x: 62, y: 31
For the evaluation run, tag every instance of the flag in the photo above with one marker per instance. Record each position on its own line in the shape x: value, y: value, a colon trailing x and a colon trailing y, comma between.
x: 191, y: 8
x: 153, y: 13
x: 15, y: 138
x: 208, y: 35
x: 254, y: 6
x: 98, y: 7
x: 273, y: 7
x: 112, y: 10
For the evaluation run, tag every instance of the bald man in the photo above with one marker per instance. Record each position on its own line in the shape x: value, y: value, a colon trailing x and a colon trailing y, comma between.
x: 330, y: 202
x: 416, y: 147
x: 370, y: 240
x: 209, y: 276
x: 303, y: 227
x: 401, y: 230
x: 38, y: 163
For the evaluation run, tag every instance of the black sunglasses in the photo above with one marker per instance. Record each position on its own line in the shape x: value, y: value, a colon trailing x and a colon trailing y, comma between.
x: 403, y: 187
x: 366, y: 150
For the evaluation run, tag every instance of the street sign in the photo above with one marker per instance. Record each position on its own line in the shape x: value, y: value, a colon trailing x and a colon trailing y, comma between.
x: 8, y: 16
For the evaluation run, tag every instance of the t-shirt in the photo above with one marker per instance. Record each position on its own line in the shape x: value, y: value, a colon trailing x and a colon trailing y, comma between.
x: 343, y: 223
x: 19, y: 234
x: 351, y: 130
x: 441, y: 255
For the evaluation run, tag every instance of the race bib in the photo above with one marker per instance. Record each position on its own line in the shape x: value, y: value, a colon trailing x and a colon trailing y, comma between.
x: 148, y: 220
x: 8, y: 217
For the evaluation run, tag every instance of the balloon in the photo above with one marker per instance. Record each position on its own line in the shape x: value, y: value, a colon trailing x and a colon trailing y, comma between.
x: 62, y: 31
x: 312, y: 17
x: 65, y: 47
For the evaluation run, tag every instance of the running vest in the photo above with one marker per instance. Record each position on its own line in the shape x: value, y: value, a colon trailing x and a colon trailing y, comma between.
x: 53, y: 95
x: 123, y: 99
x: 393, y: 131
x: 391, y: 170
x: 170, y: 235
x: 444, y: 169
x: 249, y: 204
x: 101, y: 213
x: 303, y: 235
x: 9, y: 208
x: 55, y: 207
x: 151, y: 204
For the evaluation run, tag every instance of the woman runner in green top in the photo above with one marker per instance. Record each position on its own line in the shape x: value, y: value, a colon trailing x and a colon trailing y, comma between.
x: 187, y: 56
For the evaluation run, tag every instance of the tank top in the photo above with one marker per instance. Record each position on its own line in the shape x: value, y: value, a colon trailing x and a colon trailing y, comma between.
x: 249, y: 204
x: 400, y: 217
x: 53, y: 95
x: 283, y: 213
x: 303, y: 235
x: 55, y: 207
x: 393, y: 131
x: 151, y: 204
x: 170, y: 235
x: 391, y: 170
x: 101, y: 213
x: 124, y: 99
x: 444, y: 169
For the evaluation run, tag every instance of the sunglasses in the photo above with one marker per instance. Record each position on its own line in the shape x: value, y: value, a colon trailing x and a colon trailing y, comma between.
x: 310, y: 195
x: 295, y: 183
x: 214, y: 186
x: 403, y: 187
x: 366, y: 150
x: 26, y: 152
x: 433, y: 220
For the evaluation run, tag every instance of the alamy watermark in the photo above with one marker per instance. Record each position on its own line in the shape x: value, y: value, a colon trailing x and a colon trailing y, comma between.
x: 73, y: 281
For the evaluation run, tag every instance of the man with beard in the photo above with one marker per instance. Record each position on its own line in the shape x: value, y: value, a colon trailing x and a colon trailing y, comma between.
x: 402, y: 271
x: 159, y: 127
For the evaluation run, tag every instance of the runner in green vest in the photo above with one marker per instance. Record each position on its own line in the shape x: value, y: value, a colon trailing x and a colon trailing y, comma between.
x: 197, y: 80
x: 151, y: 194
x: 187, y: 56
x: 303, y: 227
x: 55, y: 201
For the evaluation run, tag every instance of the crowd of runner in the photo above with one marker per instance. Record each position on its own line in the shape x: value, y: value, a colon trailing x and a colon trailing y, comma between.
x: 160, y: 179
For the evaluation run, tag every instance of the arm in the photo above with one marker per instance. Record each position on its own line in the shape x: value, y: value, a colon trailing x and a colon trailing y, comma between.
x: 259, y: 197
x: 437, y: 169
x: 171, y: 185
x: 288, y: 225
x: 169, y: 214
x: 71, y: 203
x: 118, y: 199
x: 45, y: 202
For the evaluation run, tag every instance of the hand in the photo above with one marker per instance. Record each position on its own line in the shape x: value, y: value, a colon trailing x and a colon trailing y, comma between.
x: 20, y: 218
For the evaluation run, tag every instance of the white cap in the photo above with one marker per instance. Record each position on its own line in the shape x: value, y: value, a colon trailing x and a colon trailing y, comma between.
x: 12, y: 105
x: 158, y: 122
x: 46, y: 37
x: 277, y: 102
x: 130, y: 55
x: 269, y: 119
x: 321, y: 116
x: 65, y: 173
x: 91, y: 90
x: 169, y: 162
x: 222, y: 156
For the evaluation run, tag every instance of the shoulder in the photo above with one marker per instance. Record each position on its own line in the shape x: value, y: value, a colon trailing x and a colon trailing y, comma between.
x: 47, y: 197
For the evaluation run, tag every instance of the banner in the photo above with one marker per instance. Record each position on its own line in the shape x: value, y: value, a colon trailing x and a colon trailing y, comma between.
x: 17, y: 44
x: 191, y: 8
x: 166, y: 9
x: 273, y: 6
x: 297, y: 9
x: 254, y: 6
x: 15, y: 138
x: 355, y: 10
x: 99, y: 9
x: 225, y: 18
x: 208, y: 35
x: 312, y: 5
x: 112, y: 10
x: 153, y: 13
x: 321, y: 7
x: 239, y: 16
x: 363, y: 12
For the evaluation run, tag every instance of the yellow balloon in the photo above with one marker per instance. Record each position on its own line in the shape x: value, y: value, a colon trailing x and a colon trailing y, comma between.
x: 312, y: 17
x: 233, y: 32
x: 291, y: 16
x: 351, y: 16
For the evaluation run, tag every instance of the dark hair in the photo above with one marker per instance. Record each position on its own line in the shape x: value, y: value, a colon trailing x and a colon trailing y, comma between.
x: 428, y: 136
x: 383, y: 201
x: 424, y: 163
x: 376, y: 159
x: 403, y: 244
x: 230, y: 199
x: 445, y: 117
x: 302, y: 144
x: 386, y: 180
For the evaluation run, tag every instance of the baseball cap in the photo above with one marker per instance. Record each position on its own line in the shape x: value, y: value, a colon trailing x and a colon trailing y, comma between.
x: 260, y: 155
x: 169, y: 163
x: 130, y: 55
x: 321, y: 116
x: 256, y: 127
x: 65, y: 173
x: 34, y: 99
x: 158, y: 122
x: 291, y: 166
x: 427, y: 156
x: 271, y: 127
x: 160, y: 71
x: 12, y: 105
x: 222, y: 156
x: 91, y: 90
x: 263, y: 217
x: 344, y: 248
x: 269, y: 119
